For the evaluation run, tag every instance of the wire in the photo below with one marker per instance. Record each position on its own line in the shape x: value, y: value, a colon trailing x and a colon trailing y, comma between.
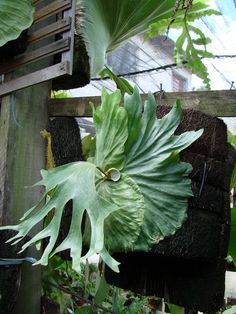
x: 163, y: 67
x: 222, y: 75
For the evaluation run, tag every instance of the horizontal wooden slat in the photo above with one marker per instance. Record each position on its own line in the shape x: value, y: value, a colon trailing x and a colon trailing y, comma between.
x: 55, y: 7
x: 43, y: 52
x: 50, y: 30
x: 35, y: 78
x: 217, y: 103
x: 73, y: 107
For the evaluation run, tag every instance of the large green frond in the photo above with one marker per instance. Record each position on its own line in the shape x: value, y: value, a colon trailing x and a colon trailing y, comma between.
x: 152, y: 161
x: 134, y: 193
x: 110, y: 121
x: 15, y: 16
x: 107, y: 24
x: 76, y: 182
x: 123, y: 226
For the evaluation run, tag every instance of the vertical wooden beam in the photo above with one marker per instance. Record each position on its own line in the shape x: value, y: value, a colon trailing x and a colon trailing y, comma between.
x: 22, y: 155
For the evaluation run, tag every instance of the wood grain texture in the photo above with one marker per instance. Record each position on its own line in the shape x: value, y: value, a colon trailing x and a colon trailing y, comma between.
x: 51, y: 9
x: 220, y: 103
x: 35, y: 55
x: 22, y: 152
x: 216, y: 103
x: 36, y: 77
x: 50, y: 30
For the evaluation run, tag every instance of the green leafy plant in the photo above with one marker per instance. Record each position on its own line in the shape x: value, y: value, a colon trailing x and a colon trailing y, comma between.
x: 134, y: 189
x: 15, y: 16
x: 87, y: 292
x: 175, y: 309
x: 105, y: 25
x: 59, y: 273
x: 230, y: 310
x: 59, y: 94
x: 122, y: 84
x: 190, y: 46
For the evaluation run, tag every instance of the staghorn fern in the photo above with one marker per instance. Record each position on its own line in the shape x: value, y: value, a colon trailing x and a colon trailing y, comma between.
x: 133, y: 189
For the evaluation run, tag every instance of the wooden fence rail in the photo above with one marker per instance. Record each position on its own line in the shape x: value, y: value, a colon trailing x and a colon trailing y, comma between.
x: 220, y: 103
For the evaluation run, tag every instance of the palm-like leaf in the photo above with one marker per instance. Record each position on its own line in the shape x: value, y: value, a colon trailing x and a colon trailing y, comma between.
x: 15, y: 16
x: 106, y: 24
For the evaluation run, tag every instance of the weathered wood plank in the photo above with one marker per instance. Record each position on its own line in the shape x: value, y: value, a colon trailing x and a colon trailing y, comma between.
x: 36, y: 77
x: 51, y: 9
x: 217, y: 103
x: 72, y: 107
x: 50, y: 30
x: 22, y: 155
x: 23, y: 115
x: 35, y: 55
x: 220, y: 103
x: 69, y: 54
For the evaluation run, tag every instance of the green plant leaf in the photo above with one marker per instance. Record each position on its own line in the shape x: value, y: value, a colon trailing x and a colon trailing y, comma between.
x: 107, y: 24
x: 231, y: 310
x: 59, y: 94
x: 87, y: 144
x: 123, y: 226
x: 102, y: 291
x: 110, y: 122
x: 76, y: 182
x: 232, y: 242
x: 233, y: 179
x: 232, y: 141
x: 134, y: 193
x: 15, y: 16
x: 190, y: 37
x: 175, y: 309
x: 122, y: 84
x: 153, y: 163
x: 88, y: 309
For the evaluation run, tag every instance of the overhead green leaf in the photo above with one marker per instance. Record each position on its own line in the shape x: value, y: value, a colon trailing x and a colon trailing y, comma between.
x: 152, y: 161
x: 15, y: 16
x: 107, y: 24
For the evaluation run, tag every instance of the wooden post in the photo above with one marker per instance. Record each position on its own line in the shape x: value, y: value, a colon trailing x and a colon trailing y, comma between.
x: 22, y: 155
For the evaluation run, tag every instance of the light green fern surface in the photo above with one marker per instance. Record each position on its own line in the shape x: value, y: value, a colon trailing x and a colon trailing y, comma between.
x: 133, y: 189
